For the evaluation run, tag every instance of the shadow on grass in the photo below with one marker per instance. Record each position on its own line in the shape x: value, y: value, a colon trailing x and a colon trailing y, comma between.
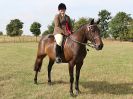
x: 103, y: 87
x: 54, y: 82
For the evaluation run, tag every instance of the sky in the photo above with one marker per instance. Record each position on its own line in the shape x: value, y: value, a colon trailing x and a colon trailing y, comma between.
x: 43, y: 11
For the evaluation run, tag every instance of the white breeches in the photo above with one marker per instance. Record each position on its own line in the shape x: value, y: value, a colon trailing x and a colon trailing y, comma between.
x: 59, y: 39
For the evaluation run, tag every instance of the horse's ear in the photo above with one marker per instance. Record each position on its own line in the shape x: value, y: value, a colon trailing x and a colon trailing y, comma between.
x: 92, y: 22
x: 98, y: 21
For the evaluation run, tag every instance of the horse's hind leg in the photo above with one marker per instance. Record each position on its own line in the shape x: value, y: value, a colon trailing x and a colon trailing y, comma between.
x: 37, y: 66
x: 51, y: 62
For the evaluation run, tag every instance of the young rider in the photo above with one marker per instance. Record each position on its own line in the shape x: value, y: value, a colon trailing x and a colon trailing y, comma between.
x: 62, y: 27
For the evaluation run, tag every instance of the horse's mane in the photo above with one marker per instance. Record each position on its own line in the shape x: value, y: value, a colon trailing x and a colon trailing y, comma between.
x: 80, y: 28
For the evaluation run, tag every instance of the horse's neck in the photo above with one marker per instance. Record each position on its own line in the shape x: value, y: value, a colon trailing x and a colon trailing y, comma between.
x: 80, y: 35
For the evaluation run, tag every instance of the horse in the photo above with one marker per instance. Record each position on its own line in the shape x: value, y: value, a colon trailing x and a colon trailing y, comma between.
x: 74, y: 51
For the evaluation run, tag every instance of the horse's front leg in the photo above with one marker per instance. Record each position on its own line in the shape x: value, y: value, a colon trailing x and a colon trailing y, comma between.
x: 78, y: 67
x: 71, y: 66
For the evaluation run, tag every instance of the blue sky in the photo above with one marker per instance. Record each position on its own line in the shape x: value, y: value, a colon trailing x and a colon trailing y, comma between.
x: 43, y: 11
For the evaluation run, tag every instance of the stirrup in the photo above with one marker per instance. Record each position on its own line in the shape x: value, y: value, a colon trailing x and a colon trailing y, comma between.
x: 58, y: 60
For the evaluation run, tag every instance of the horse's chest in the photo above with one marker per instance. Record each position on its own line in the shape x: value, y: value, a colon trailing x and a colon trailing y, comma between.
x: 81, y: 54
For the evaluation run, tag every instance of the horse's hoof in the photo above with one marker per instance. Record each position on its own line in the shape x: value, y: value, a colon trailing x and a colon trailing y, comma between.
x: 58, y: 60
x: 50, y: 83
x: 71, y: 94
x: 35, y: 82
x: 78, y: 92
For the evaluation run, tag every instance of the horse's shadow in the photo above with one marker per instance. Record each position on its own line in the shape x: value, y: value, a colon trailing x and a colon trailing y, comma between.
x: 54, y: 82
x: 102, y: 87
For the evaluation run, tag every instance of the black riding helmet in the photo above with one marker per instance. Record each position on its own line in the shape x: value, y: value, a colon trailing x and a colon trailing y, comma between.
x: 61, y: 6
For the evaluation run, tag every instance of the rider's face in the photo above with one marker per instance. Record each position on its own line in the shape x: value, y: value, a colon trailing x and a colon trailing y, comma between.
x: 62, y: 12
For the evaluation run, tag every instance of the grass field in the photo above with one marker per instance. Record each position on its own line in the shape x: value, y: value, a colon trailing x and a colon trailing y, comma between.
x: 106, y: 74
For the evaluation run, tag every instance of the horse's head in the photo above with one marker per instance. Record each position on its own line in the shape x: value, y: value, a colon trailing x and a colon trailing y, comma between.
x: 93, y: 34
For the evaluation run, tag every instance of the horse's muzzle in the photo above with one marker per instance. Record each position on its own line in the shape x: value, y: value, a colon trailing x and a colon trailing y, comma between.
x: 99, y: 47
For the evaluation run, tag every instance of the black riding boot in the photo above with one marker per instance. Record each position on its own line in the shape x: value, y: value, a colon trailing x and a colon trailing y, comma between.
x: 58, y: 53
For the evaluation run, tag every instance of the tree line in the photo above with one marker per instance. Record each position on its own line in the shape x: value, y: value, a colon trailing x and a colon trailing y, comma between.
x: 119, y: 26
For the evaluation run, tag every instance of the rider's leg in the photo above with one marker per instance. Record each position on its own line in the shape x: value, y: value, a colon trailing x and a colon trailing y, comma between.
x: 59, y: 39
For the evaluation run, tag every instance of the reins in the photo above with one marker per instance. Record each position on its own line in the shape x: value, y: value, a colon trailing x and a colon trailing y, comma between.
x: 85, y: 44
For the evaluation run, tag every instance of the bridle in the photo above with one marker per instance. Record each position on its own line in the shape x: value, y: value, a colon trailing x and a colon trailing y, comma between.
x: 90, y: 44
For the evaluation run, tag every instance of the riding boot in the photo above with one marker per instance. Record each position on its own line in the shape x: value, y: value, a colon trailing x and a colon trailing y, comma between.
x: 58, y: 54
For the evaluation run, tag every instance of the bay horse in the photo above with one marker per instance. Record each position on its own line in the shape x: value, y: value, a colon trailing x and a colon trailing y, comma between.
x: 74, y: 51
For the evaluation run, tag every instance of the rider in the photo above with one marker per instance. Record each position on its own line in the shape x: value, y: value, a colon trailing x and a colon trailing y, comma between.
x: 62, y: 27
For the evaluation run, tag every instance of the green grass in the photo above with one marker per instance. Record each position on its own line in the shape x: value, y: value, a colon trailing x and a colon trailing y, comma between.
x: 106, y: 74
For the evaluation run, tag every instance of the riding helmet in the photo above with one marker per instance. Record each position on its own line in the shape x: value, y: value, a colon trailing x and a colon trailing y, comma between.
x: 61, y: 6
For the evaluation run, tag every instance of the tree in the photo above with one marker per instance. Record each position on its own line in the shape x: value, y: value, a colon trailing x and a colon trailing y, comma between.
x: 118, y: 26
x: 51, y: 28
x: 45, y: 32
x: 130, y: 33
x: 35, y: 29
x: 80, y: 22
x: 104, y: 17
x: 1, y: 33
x: 14, y: 28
